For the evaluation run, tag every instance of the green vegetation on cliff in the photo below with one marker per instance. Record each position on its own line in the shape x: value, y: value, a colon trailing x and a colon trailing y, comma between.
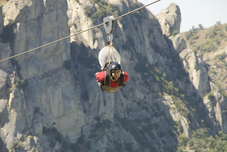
x: 104, y: 9
x: 206, y: 40
x: 202, y: 140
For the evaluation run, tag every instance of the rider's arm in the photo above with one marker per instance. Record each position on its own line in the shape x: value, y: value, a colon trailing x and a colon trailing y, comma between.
x: 126, y: 77
x: 100, y: 76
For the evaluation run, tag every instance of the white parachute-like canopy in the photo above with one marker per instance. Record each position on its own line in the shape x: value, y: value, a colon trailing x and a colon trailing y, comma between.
x: 108, y: 54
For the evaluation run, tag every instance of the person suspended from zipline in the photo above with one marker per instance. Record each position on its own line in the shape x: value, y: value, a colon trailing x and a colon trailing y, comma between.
x: 111, y: 78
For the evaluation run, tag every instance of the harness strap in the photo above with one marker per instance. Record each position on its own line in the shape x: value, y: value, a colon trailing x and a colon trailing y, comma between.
x: 107, y: 78
x: 121, y: 79
x: 109, y: 54
x: 111, y: 45
x: 107, y: 57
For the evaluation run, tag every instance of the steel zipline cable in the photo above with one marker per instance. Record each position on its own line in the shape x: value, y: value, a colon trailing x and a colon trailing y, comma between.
x: 77, y: 33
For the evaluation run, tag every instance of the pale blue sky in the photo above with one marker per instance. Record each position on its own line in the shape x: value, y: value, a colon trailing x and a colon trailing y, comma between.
x: 194, y: 12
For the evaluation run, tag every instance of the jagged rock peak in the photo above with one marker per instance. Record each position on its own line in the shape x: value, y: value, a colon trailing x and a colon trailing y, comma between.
x: 170, y: 19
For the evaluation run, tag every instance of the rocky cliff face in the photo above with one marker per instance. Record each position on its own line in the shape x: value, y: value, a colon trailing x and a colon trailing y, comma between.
x: 50, y: 100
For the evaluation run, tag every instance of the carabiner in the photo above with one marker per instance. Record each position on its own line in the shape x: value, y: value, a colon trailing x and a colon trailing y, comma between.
x: 108, y: 23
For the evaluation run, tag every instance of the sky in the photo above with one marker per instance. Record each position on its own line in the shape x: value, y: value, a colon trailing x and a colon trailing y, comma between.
x: 194, y: 12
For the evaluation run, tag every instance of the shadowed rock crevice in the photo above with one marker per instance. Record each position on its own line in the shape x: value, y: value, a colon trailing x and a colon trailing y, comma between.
x: 3, y: 146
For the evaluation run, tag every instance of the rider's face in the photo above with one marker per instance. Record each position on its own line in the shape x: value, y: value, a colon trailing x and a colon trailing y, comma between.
x: 116, y: 74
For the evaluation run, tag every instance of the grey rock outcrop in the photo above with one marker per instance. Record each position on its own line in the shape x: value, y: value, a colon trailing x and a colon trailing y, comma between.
x: 176, y: 115
x: 1, y: 20
x: 170, y: 19
x: 21, y: 11
x: 197, y: 71
x: 216, y: 105
x: 5, y: 53
x: 179, y: 43
x: 3, y: 82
